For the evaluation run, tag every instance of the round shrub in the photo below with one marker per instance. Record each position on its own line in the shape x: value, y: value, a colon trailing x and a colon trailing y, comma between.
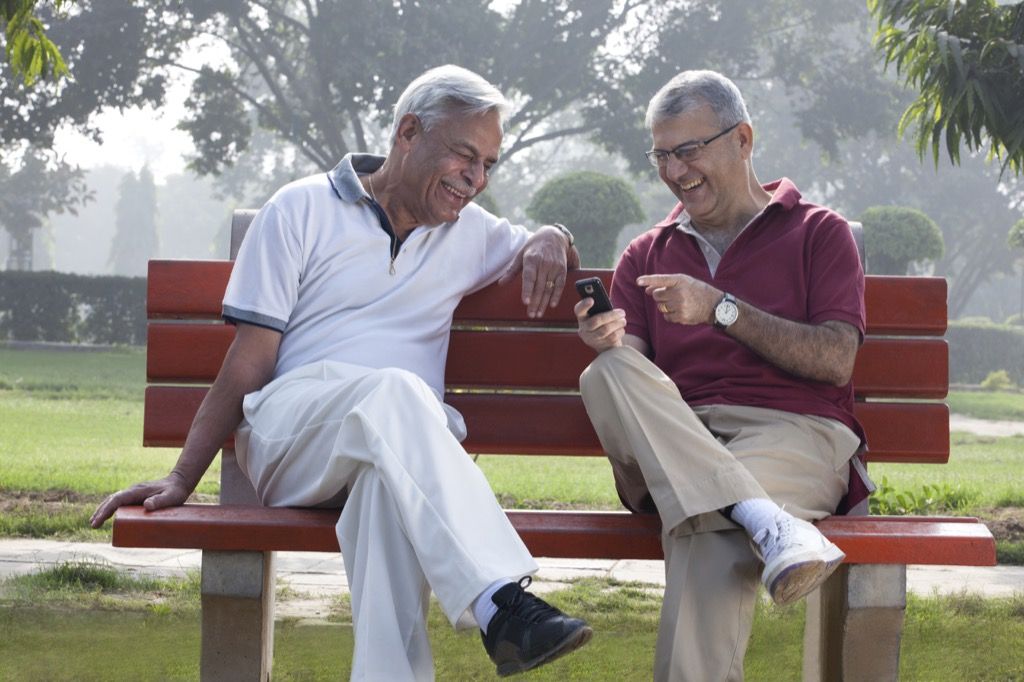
x: 998, y: 380
x: 594, y: 206
x: 896, y: 236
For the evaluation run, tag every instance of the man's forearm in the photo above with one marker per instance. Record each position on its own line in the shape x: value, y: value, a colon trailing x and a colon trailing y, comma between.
x: 248, y: 366
x: 820, y: 352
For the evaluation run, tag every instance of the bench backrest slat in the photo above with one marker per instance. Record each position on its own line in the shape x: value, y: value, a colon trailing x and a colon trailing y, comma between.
x: 898, y: 432
x: 506, y: 370
x: 193, y: 289
x: 886, y: 367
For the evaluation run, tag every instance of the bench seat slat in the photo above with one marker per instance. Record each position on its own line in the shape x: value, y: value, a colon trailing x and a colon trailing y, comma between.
x: 193, y: 289
x: 886, y: 367
x: 558, y: 425
x: 598, y: 535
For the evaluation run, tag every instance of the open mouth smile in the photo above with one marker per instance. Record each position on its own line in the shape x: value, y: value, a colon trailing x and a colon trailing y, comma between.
x: 693, y: 184
x: 461, y: 196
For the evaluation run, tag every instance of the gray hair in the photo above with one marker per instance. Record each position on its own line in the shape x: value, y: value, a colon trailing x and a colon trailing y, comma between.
x: 444, y: 90
x: 692, y: 89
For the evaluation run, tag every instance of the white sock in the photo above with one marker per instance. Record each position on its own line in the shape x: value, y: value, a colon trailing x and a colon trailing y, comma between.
x: 484, y: 607
x: 755, y: 514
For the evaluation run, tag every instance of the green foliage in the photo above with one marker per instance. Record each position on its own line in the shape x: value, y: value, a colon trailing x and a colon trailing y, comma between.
x: 1016, y: 237
x: 895, y: 236
x: 286, y: 76
x: 975, y: 349
x: 120, y: 52
x: 928, y: 499
x: 966, y: 59
x: 54, y: 306
x: 30, y: 53
x: 997, y: 380
x: 595, y: 207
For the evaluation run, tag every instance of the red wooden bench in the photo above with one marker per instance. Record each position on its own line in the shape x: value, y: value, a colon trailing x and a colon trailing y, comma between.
x: 515, y: 381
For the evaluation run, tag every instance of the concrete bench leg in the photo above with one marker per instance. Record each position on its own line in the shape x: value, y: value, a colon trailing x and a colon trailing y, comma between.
x: 854, y: 624
x: 238, y: 616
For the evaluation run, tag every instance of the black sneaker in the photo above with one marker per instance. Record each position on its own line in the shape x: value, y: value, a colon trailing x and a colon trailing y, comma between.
x: 528, y: 632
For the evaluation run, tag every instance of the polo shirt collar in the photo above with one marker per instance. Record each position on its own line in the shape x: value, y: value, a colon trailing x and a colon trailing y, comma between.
x: 784, y: 193
x: 344, y: 177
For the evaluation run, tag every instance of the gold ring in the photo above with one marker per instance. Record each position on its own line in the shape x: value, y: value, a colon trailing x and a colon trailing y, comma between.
x: 550, y: 284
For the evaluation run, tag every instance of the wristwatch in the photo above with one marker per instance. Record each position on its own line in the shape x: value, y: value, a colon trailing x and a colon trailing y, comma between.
x: 726, y: 311
x: 565, y: 231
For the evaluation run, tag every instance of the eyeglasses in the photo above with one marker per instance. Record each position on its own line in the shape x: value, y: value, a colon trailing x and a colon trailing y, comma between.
x: 686, y: 152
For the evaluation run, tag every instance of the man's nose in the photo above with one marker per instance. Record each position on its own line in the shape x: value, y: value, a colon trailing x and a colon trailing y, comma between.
x: 476, y: 175
x: 675, y: 167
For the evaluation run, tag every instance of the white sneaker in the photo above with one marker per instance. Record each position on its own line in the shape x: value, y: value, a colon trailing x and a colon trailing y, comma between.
x: 797, y: 558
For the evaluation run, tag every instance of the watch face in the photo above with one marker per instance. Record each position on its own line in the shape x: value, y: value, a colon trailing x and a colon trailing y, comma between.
x: 726, y: 313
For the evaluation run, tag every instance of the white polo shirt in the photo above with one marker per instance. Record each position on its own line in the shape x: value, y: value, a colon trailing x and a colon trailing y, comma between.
x: 316, y: 265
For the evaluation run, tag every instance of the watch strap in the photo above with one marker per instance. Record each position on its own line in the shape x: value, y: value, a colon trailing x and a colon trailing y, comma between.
x: 565, y: 231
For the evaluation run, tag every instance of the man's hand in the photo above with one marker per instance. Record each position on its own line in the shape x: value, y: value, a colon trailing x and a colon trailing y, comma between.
x: 681, y: 298
x: 544, y: 260
x: 169, y: 491
x: 602, y: 331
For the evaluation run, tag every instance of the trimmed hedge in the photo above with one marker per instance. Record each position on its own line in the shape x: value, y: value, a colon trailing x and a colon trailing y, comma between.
x: 56, y: 306
x: 976, y: 348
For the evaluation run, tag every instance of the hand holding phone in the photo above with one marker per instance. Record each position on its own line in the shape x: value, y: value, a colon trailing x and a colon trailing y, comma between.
x: 593, y: 287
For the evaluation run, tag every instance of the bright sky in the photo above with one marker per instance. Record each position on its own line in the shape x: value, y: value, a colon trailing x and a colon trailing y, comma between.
x: 135, y: 137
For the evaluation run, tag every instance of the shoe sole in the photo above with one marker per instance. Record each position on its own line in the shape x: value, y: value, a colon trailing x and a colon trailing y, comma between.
x: 801, y: 578
x: 572, y: 642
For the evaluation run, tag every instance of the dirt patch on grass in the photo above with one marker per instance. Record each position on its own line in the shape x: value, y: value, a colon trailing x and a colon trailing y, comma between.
x: 1006, y: 523
x: 49, y: 501
x: 13, y: 500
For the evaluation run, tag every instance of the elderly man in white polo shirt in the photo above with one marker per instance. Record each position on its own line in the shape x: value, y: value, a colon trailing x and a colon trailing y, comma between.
x: 343, y: 294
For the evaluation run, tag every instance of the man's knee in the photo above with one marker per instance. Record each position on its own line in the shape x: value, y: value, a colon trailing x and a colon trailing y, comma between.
x: 604, y: 366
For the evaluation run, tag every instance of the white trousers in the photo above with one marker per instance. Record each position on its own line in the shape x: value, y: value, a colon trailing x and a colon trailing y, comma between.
x: 420, y: 515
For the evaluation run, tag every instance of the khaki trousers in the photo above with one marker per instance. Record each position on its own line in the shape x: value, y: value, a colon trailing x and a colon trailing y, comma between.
x: 687, y: 464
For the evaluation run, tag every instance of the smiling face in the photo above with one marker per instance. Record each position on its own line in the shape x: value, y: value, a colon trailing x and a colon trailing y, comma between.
x: 445, y: 167
x: 710, y: 185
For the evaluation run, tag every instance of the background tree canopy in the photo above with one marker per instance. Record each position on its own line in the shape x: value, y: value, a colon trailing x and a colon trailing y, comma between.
x: 966, y: 58
x: 282, y: 88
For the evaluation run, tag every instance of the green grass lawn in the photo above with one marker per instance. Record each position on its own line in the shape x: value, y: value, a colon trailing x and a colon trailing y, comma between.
x: 987, y: 404
x: 64, y: 624
x: 70, y: 433
x: 94, y: 375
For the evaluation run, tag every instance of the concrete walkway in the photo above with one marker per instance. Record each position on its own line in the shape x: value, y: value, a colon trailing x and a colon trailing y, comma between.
x: 314, y: 576
x: 985, y: 427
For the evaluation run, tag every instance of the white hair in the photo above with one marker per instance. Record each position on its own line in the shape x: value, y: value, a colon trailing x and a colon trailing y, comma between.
x: 448, y: 89
x: 692, y: 89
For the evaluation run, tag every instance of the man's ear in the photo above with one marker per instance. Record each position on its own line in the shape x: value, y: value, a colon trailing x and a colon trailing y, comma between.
x: 409, y: 127
x: 746, y: 137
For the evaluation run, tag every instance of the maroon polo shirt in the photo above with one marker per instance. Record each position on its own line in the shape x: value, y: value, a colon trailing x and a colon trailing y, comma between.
x: 796, y: 260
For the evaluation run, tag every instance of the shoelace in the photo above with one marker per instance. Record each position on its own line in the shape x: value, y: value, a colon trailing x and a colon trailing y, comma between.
x: 768, y: 540
x: 528, y: 607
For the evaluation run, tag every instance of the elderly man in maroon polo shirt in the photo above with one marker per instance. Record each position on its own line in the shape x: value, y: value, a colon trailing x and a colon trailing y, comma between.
x: 721, y: 391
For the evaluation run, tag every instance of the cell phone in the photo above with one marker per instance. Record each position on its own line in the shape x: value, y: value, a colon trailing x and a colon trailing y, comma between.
x: 593, y: 287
